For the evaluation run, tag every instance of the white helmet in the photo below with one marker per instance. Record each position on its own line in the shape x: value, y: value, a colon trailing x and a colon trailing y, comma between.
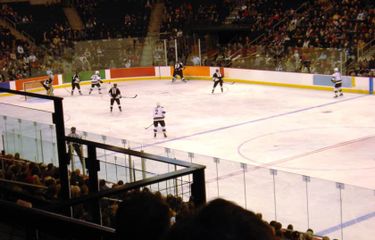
x: 336, y: 69
x: 97, y: 72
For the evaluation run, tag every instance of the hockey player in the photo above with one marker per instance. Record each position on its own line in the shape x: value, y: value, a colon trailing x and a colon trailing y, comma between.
x: 75, y: 84
x: 115, y: 95
x: 48, y: 83
x: 95, y: 82
x: 159, y: 114
x: 178, y: 67
x: 218, y: 79
x: 337, y: 80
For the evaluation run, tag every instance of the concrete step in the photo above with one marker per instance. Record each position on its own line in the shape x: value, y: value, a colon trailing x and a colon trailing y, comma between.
x: 73, y: 17
x: 16, y: 33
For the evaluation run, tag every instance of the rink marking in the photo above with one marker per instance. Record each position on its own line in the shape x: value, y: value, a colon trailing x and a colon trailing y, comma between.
x: 346, y: 224
x: 301, y: 155
x: 253, y: 121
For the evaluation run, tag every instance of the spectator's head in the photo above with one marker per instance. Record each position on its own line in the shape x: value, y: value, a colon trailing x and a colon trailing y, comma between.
x: 309, y: 234
x: 142, y: 216
x: 221, y: 220
x: 73, y: 129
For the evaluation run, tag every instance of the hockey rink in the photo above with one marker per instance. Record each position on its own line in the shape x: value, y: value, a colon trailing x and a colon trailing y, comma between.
x: 299, y: 131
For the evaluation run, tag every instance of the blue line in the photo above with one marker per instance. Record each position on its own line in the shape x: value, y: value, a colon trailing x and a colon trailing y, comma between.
x: 252, y: 121
x: 346, y: 224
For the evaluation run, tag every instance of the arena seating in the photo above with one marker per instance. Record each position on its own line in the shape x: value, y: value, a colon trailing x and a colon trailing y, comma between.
x: 270, y: 41
x: 41, y: 188
x: 114, y: 19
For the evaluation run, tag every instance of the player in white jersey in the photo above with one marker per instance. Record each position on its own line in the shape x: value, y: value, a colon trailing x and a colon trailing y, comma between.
x: 178, y: 67
x: 75, y: 84
x: 159, y: 115
x: 95, y: 82
x: 218, y: 79
x: 115, y: 95
x: 337, y: 80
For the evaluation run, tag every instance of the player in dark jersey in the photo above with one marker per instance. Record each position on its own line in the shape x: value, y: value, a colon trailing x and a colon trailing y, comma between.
x: 218, y: 79
x: 178, y: 71
x: 115, y: 95
x: 75, y: 84
x: 47, y: 84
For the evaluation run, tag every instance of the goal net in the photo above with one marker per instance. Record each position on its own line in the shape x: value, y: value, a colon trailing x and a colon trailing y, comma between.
x: 32, y: 86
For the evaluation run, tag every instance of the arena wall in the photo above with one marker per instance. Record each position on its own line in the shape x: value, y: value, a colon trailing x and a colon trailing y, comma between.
x: 272, y: 78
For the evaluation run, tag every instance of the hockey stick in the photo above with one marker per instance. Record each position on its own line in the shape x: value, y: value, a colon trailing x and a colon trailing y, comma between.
x: 149, y: 126
x: 132, y: 96
x: 231, y: 83
x: 67, y: 91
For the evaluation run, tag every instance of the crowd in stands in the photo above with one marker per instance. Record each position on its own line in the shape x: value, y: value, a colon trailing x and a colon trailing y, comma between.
x: 55, y: 38
x: 15, y: 17
x: 317, y: 26
x: 143, y: 214
x: 311, y: 30
x: 17, y: 57
x: 113, y: 19
x: 182, y: 13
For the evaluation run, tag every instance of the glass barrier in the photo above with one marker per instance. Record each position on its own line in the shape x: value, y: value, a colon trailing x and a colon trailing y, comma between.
x: 26, y: 112
x: 328, y: 207
x: 277, y: 58
x: 34, y: 141
x: 194, y: 50
x: 101, y: 54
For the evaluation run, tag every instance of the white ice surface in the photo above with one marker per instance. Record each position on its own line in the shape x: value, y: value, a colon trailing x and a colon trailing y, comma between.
x: 300, y: 131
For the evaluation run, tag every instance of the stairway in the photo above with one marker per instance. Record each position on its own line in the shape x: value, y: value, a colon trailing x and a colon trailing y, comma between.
x: 17, y: 34
x: 73, y: 17
x: 232, y: 15
x: 152, y: 34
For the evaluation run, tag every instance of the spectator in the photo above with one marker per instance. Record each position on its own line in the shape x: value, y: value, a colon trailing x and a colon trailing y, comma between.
x: 221, y: 220
x: 142, y: 216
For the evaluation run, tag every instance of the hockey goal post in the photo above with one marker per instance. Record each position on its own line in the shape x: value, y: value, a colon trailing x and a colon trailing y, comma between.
x: 32, y: 86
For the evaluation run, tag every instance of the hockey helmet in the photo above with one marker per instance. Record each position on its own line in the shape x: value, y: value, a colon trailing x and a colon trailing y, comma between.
x: 115, y: 84
x: 158, y: 104
x: 97, y: 72
x: 336, y: 69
